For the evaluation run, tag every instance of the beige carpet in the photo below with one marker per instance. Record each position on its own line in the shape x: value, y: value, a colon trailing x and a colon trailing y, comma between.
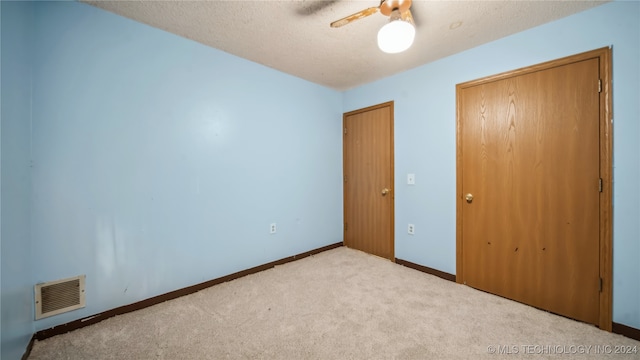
x: 340, y: 304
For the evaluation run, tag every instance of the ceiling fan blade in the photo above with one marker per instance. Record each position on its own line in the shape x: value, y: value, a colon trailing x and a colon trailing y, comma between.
x: 357, y: 16
x: 408, y: 17
x: 312, y: 7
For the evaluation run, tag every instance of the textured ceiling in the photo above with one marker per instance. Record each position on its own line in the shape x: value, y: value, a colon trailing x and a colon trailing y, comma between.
x: 295, y: 37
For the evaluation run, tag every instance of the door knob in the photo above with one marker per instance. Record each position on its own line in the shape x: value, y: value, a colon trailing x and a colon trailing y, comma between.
x: 385, y: 191
x: 469, y: 198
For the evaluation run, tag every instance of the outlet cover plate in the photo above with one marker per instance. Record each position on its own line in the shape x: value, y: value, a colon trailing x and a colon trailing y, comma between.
x: 411, y: 179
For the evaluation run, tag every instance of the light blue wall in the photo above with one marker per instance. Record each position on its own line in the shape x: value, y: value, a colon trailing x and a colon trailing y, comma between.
x: 425, y: 136
x: 16, y: 288
x: 159, y: 162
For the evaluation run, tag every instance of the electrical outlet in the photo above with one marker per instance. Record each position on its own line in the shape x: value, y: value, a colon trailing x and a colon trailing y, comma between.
x: 272, y: 228
x: 411, y: 179
x: 411, y: 229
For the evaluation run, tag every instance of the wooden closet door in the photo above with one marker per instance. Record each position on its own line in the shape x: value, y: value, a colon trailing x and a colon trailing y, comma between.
x: 368, y: 180
x: 529, y: 158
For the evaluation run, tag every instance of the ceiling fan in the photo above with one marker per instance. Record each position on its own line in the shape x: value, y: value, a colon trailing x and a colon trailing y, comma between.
x: 397, y: 35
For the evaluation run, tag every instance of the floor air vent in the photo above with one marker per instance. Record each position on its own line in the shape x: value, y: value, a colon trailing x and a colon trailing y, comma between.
x: 57, y: 297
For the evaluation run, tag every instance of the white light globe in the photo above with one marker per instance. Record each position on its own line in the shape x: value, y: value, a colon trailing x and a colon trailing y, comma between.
x: 396, y: 36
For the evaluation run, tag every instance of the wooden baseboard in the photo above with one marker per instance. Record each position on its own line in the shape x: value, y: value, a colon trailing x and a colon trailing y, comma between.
x: 27, y: 352
x: 621, y: 329
x: 428, y: 270
x: 89, y: 320
x: 625, y: 330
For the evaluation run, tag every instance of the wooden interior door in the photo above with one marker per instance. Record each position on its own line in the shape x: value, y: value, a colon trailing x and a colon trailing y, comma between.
x: 368, y: 180
x: 530, y: 187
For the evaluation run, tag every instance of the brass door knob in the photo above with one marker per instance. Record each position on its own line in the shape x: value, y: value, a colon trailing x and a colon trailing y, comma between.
x: 469, y: 198
x: 385, y: 191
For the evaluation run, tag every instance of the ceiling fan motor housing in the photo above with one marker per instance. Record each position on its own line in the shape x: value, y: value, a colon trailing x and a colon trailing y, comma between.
x: 387, y: 6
